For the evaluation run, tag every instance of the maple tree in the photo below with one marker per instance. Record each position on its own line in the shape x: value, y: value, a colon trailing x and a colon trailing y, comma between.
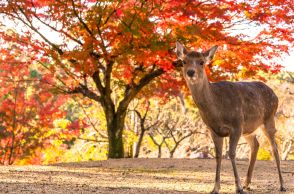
x: 109, y: 51
x: 28, y: 109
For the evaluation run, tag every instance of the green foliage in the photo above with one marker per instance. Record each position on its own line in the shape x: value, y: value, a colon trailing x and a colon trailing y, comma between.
x: 34, y: 73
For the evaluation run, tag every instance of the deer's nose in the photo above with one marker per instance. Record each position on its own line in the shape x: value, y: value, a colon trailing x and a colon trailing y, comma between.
x: 190, y: 73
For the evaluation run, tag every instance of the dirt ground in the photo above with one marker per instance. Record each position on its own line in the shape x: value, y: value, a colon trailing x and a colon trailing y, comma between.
x: 137, y: 176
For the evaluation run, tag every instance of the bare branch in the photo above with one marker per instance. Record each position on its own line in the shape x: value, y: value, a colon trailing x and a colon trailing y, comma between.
x: 89, y: 119
x: 93, y: 140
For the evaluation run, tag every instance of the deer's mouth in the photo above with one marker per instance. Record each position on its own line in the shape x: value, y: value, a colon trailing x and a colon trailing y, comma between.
x: 192, y: 80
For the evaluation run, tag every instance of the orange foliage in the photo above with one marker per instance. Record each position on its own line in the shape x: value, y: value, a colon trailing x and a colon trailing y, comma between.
x: 94, y: 47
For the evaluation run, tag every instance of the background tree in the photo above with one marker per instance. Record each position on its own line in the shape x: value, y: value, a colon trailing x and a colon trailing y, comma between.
x: 28, y: 111
x: 178, y: 128
x: 143, y: 126
x: 284, y: 87
x: 108, y: 51
x: 168, y: 124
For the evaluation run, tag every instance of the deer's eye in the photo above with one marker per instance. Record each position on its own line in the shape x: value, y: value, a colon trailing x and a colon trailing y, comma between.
x: 201, y: 63
x: 184, y: 62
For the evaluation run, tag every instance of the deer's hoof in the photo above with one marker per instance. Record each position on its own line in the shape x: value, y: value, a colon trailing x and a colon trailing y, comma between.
x: 283, y: 189
x: 247, y: 188
x: 240, y: 191
x: 213, y: 192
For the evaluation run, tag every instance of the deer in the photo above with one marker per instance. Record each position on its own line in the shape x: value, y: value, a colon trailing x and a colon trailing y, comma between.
x: 231, y: 109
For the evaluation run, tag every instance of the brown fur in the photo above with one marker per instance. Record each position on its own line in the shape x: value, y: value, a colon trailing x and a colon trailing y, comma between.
x: 231, y: 109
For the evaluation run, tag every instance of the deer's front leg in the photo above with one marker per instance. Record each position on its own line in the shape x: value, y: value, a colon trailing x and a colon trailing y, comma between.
x: 234, y: 138
x: 218, y: 145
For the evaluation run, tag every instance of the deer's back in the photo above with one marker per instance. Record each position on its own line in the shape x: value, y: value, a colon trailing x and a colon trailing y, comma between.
x: 251, y: 102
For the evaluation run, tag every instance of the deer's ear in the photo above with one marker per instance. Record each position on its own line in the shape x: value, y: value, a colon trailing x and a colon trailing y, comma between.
x: 209, y: 54
x: 181, y: 50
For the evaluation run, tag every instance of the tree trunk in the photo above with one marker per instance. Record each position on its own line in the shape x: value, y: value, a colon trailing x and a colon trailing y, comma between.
x: 138, y: 146
x: 286, y: 149
x: 159, y: 151
x: 115, y: 144
x: 171, y: 153
x: 115, y: 127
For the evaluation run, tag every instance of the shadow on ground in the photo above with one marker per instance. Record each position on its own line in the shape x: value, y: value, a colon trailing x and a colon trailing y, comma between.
x: 132, y: 176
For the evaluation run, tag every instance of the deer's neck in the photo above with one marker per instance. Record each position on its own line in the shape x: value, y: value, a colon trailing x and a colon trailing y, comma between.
x: 203, y: 96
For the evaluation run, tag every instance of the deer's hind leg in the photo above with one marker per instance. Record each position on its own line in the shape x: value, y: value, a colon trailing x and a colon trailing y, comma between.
x: 254, y: 145
x: 270, y: 131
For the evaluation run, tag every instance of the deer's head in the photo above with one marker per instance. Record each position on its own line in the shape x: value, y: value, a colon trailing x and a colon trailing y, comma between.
x: 194, y: 62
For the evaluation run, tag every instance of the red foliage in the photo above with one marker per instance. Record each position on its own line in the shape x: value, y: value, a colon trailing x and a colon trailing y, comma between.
x: 122, y: 43
x: 145, y: 31
x: 27, y: 109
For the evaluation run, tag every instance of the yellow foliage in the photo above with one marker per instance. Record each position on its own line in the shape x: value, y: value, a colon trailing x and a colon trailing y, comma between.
x: 61, y: 123
x: 263, y: 154
x: 129, y: 138
x: 29, y: 92
x: 291, y: 157
x: 248, y: 15
x: 53, y: 153
x: 218, y: 62
x: 85, y: 151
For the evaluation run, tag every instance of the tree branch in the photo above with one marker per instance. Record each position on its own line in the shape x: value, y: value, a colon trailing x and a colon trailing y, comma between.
x: 94, y: 140
x: 132, y: 90
x: 82, y: 89
x: 107, y: 79
x: 54, y: 29
x: 89, y: 119
x: 80, y: 19
x: 97, y: 82
x: 30, y: 25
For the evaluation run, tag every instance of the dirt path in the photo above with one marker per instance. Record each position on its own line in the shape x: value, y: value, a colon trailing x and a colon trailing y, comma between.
x: 136, y: 176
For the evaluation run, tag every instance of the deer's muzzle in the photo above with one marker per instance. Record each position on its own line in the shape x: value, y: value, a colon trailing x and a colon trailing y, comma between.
x: 190, y: 73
